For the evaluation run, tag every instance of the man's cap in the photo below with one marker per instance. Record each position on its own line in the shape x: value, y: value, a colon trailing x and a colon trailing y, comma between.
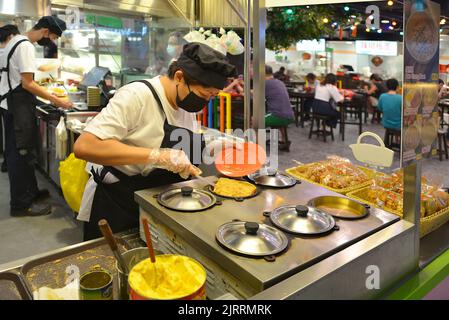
x: 206, y: 65
x: 54, y: 24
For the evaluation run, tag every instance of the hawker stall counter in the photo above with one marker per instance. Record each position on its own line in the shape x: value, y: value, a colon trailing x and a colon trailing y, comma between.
x: 363, y: 241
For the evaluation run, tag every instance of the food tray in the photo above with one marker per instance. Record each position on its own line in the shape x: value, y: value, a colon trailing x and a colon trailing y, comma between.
x: 428, y: 224
x: 370, y: 173
x: 12, y: 287
x: 50, y: 271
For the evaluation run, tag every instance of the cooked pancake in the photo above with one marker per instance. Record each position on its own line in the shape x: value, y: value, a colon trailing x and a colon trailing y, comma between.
x: 234, y: 188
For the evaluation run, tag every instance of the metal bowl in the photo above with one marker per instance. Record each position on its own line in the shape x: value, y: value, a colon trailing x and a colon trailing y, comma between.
x: 339, y: 207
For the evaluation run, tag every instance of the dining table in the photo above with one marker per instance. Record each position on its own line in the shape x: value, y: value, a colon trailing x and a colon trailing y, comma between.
x: 299, y: 97
x: 349, y: 107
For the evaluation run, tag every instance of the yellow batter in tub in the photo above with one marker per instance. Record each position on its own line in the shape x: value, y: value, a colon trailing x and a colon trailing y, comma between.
x: 170, y: 277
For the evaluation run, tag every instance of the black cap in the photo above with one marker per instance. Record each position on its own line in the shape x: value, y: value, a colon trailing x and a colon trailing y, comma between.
x: 206, y: 65
x: 54, y: 24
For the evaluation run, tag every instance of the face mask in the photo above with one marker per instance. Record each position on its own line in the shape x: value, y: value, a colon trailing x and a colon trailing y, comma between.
x: 191, y: 103
x: 171, y: 50
x: 45, y: 42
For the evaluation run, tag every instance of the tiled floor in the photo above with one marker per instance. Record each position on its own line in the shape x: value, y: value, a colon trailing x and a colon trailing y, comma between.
x: 22, y: 237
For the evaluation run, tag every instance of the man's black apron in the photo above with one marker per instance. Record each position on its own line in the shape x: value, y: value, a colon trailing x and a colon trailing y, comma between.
x: 22, y: 108
x: 115, y: 202
x: 21, y: 138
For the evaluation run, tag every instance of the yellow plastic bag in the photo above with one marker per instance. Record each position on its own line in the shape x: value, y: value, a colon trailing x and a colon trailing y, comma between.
x: 73, y: 177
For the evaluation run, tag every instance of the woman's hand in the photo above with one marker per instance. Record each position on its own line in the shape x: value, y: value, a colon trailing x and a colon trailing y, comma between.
x: 173, y: 160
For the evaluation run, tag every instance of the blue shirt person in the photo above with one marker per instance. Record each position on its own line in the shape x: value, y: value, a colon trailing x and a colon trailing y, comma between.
x: 390, y: 104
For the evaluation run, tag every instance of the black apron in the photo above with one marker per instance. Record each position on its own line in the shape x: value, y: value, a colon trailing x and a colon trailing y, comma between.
x: 22, y: 107
x: 115, y: 202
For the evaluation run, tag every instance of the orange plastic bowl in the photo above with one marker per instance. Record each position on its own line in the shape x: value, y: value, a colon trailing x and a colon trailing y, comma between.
x: 235, y: 163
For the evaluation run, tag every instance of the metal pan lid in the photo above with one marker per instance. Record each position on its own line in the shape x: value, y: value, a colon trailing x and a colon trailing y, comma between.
x: 339, y: 207
x: 187, y: 199
x: 303, y: 220
x: 271, y: 178
x: 251, y: 238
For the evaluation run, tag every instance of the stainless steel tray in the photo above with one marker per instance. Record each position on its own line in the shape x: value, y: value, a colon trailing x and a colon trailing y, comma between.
x: 50, y: 271
x: 12, y: 287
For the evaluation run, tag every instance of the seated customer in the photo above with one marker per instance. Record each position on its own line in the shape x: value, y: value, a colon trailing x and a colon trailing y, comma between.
x: 235, y: 86
x: 326, y: 98
x: 279, y: 112
x: 311, y: 84
x: 280, y: 74
x: 442, y: 89
x: 390, y: 104
x: 376, y: 89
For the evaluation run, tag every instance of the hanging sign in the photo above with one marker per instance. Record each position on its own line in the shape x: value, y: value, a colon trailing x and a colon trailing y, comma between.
x: 421, y: 74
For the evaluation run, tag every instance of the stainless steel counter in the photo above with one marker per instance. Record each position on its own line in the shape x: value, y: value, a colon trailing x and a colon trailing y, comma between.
x: 198, y: 230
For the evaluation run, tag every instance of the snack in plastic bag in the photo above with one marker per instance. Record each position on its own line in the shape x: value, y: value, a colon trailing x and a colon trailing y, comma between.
x: 73, y: 178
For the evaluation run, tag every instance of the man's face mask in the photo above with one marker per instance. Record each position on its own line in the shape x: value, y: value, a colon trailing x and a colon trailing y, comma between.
x: 45, y: 42
x: 171, y: 50
x: 191, y: 103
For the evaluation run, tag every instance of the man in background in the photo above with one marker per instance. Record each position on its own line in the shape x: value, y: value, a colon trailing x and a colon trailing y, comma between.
x: 279, y: 112
x: 18, y: 92
x: 280, y: 75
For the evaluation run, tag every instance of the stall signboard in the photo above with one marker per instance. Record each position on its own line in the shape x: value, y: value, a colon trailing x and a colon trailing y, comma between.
x: 421, y: 73
x: 311, y: 45
x: 378, y: 48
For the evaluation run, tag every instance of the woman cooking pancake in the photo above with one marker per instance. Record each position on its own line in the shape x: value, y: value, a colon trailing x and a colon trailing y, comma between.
x: 131, y: 141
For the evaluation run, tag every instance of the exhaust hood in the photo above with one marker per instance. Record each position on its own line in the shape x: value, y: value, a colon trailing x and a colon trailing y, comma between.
x: 155, y: 8
x: 29, y: 8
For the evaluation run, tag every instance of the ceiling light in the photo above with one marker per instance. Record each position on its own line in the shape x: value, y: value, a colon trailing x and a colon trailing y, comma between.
x: 367, y: 30
x: 346, y: 8
x: 353, y: 16
x: 385, y: 21
x: 390, y: 2
x: 401, y: 33
x: 391, y: 27
x: 443, y: 21
x: 394, y: 23
x: 379, y: 31
x: 325, y: 20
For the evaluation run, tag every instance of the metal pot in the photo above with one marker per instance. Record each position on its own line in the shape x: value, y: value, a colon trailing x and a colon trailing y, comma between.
x: 131, y: 258
x: 272, y: 178
x: 252, y: 239
x: 302, y: 220
x: 187, y: 199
